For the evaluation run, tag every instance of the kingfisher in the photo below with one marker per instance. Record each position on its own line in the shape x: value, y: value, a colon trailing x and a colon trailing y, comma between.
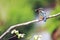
x: 41, y: 14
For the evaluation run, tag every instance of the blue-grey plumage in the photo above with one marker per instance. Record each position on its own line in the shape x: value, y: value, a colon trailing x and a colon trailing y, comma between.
x: 43, y: 15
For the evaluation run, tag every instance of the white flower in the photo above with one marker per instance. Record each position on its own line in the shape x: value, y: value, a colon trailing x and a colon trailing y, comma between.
x: 22, y: 35
x: 19, y: 35
x: 35, y: 37
x: 16, y: 32
x: 13, y: 31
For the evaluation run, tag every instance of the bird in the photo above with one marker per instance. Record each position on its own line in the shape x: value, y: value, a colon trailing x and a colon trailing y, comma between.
x: 41, y: 14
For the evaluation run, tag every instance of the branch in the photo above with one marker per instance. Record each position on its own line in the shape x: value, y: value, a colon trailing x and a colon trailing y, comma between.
x: 54, y: 15
x: 17, y: 25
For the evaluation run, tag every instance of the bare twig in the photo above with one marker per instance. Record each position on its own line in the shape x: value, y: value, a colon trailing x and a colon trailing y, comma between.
x: 17, y: 25
x: 54, y: 15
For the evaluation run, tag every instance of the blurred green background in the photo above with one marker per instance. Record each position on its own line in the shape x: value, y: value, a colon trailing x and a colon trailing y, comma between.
x: 18, y: 11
